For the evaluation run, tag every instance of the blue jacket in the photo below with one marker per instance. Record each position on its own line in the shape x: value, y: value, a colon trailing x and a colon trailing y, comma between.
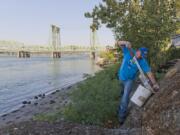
x: 128, y: 69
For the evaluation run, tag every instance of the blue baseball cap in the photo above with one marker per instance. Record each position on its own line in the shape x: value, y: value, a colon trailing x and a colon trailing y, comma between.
x: 144, y: 51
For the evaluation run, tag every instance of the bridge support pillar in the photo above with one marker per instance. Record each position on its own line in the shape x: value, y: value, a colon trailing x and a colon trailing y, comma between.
x: 56, y: 54
x: 23, y: 54
x: 93, y: 55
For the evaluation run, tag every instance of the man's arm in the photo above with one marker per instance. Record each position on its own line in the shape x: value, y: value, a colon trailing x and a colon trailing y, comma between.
x: 153, y: 80
x: 125, y: 46
x: 146, y: 68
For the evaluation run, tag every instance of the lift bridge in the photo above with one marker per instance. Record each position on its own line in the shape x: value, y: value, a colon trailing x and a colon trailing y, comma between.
x: 54, y: 49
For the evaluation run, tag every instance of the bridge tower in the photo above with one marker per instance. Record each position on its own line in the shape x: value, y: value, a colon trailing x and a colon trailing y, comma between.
x: 93, y: 40
x: 55, y: 41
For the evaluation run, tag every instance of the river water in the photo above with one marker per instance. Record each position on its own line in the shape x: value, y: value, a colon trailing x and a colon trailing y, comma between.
x: 22, y: 79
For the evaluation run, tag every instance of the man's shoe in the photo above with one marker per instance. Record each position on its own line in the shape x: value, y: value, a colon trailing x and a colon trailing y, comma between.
x: 121, y: 123
x: 122, y: 120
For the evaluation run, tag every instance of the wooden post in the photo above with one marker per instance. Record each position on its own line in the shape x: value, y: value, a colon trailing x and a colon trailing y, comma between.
x: 23, y: 54
x: 93, y: 55
x: 56, y: 54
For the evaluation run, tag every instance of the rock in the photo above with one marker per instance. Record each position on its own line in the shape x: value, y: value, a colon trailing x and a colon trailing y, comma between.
x: 66, y: 102
x: 15, y: 128
x: 85, y: 75
x: 18, y: 117
x: 57, y: 90
x: 69, y: 87
x: 69, y: 132
x: 24, y: 102
x: 9, y: 122
x: 53, y: 93
x: 29, y: 102
x: 35, y: 103
x: 171, y: 73
x: 52, y: 102
x: 36, y: 97
x: 40, y: 95
x: 4, y: 115
x: 15, y: 111
x: 43, y: 95
x: 23, y: 106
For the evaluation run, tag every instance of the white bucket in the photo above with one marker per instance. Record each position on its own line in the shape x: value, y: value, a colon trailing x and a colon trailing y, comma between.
x: 141, y: 95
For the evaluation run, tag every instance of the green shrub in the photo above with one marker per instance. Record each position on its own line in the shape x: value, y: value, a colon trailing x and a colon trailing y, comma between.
x: 95, y: 101
x: 174, y: 53
x: 107, y: 55
x: 165, y: 56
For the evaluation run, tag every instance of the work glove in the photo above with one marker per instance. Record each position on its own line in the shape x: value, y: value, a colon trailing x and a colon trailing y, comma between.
x: 156, y: 87
x: 128, y: 44
x: 124, y: 43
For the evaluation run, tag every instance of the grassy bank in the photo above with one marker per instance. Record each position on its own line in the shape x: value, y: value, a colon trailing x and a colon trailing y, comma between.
x: 94, y: 101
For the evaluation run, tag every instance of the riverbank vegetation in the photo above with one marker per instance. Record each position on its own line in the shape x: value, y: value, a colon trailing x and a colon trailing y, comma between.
x: 149, y: 23
x: 95, y: 101
x: 107, y: 55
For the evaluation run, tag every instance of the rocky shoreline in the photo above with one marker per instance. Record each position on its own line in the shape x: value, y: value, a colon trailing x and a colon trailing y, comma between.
x: 41, y: 104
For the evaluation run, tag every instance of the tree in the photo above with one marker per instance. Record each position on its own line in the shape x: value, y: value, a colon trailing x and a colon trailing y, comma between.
x: 148, y: 23
x: 178, y: 16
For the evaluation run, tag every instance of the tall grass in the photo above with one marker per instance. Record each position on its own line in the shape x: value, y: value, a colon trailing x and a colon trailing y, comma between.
x: 95, y: 101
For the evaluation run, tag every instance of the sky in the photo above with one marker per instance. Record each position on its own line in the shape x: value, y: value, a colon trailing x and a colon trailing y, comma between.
x: 29, y: 21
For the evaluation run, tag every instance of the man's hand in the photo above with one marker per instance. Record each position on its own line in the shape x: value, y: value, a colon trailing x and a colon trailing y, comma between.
x: 126, y: 43
x: 153, y: 81
x: 156, y: 87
